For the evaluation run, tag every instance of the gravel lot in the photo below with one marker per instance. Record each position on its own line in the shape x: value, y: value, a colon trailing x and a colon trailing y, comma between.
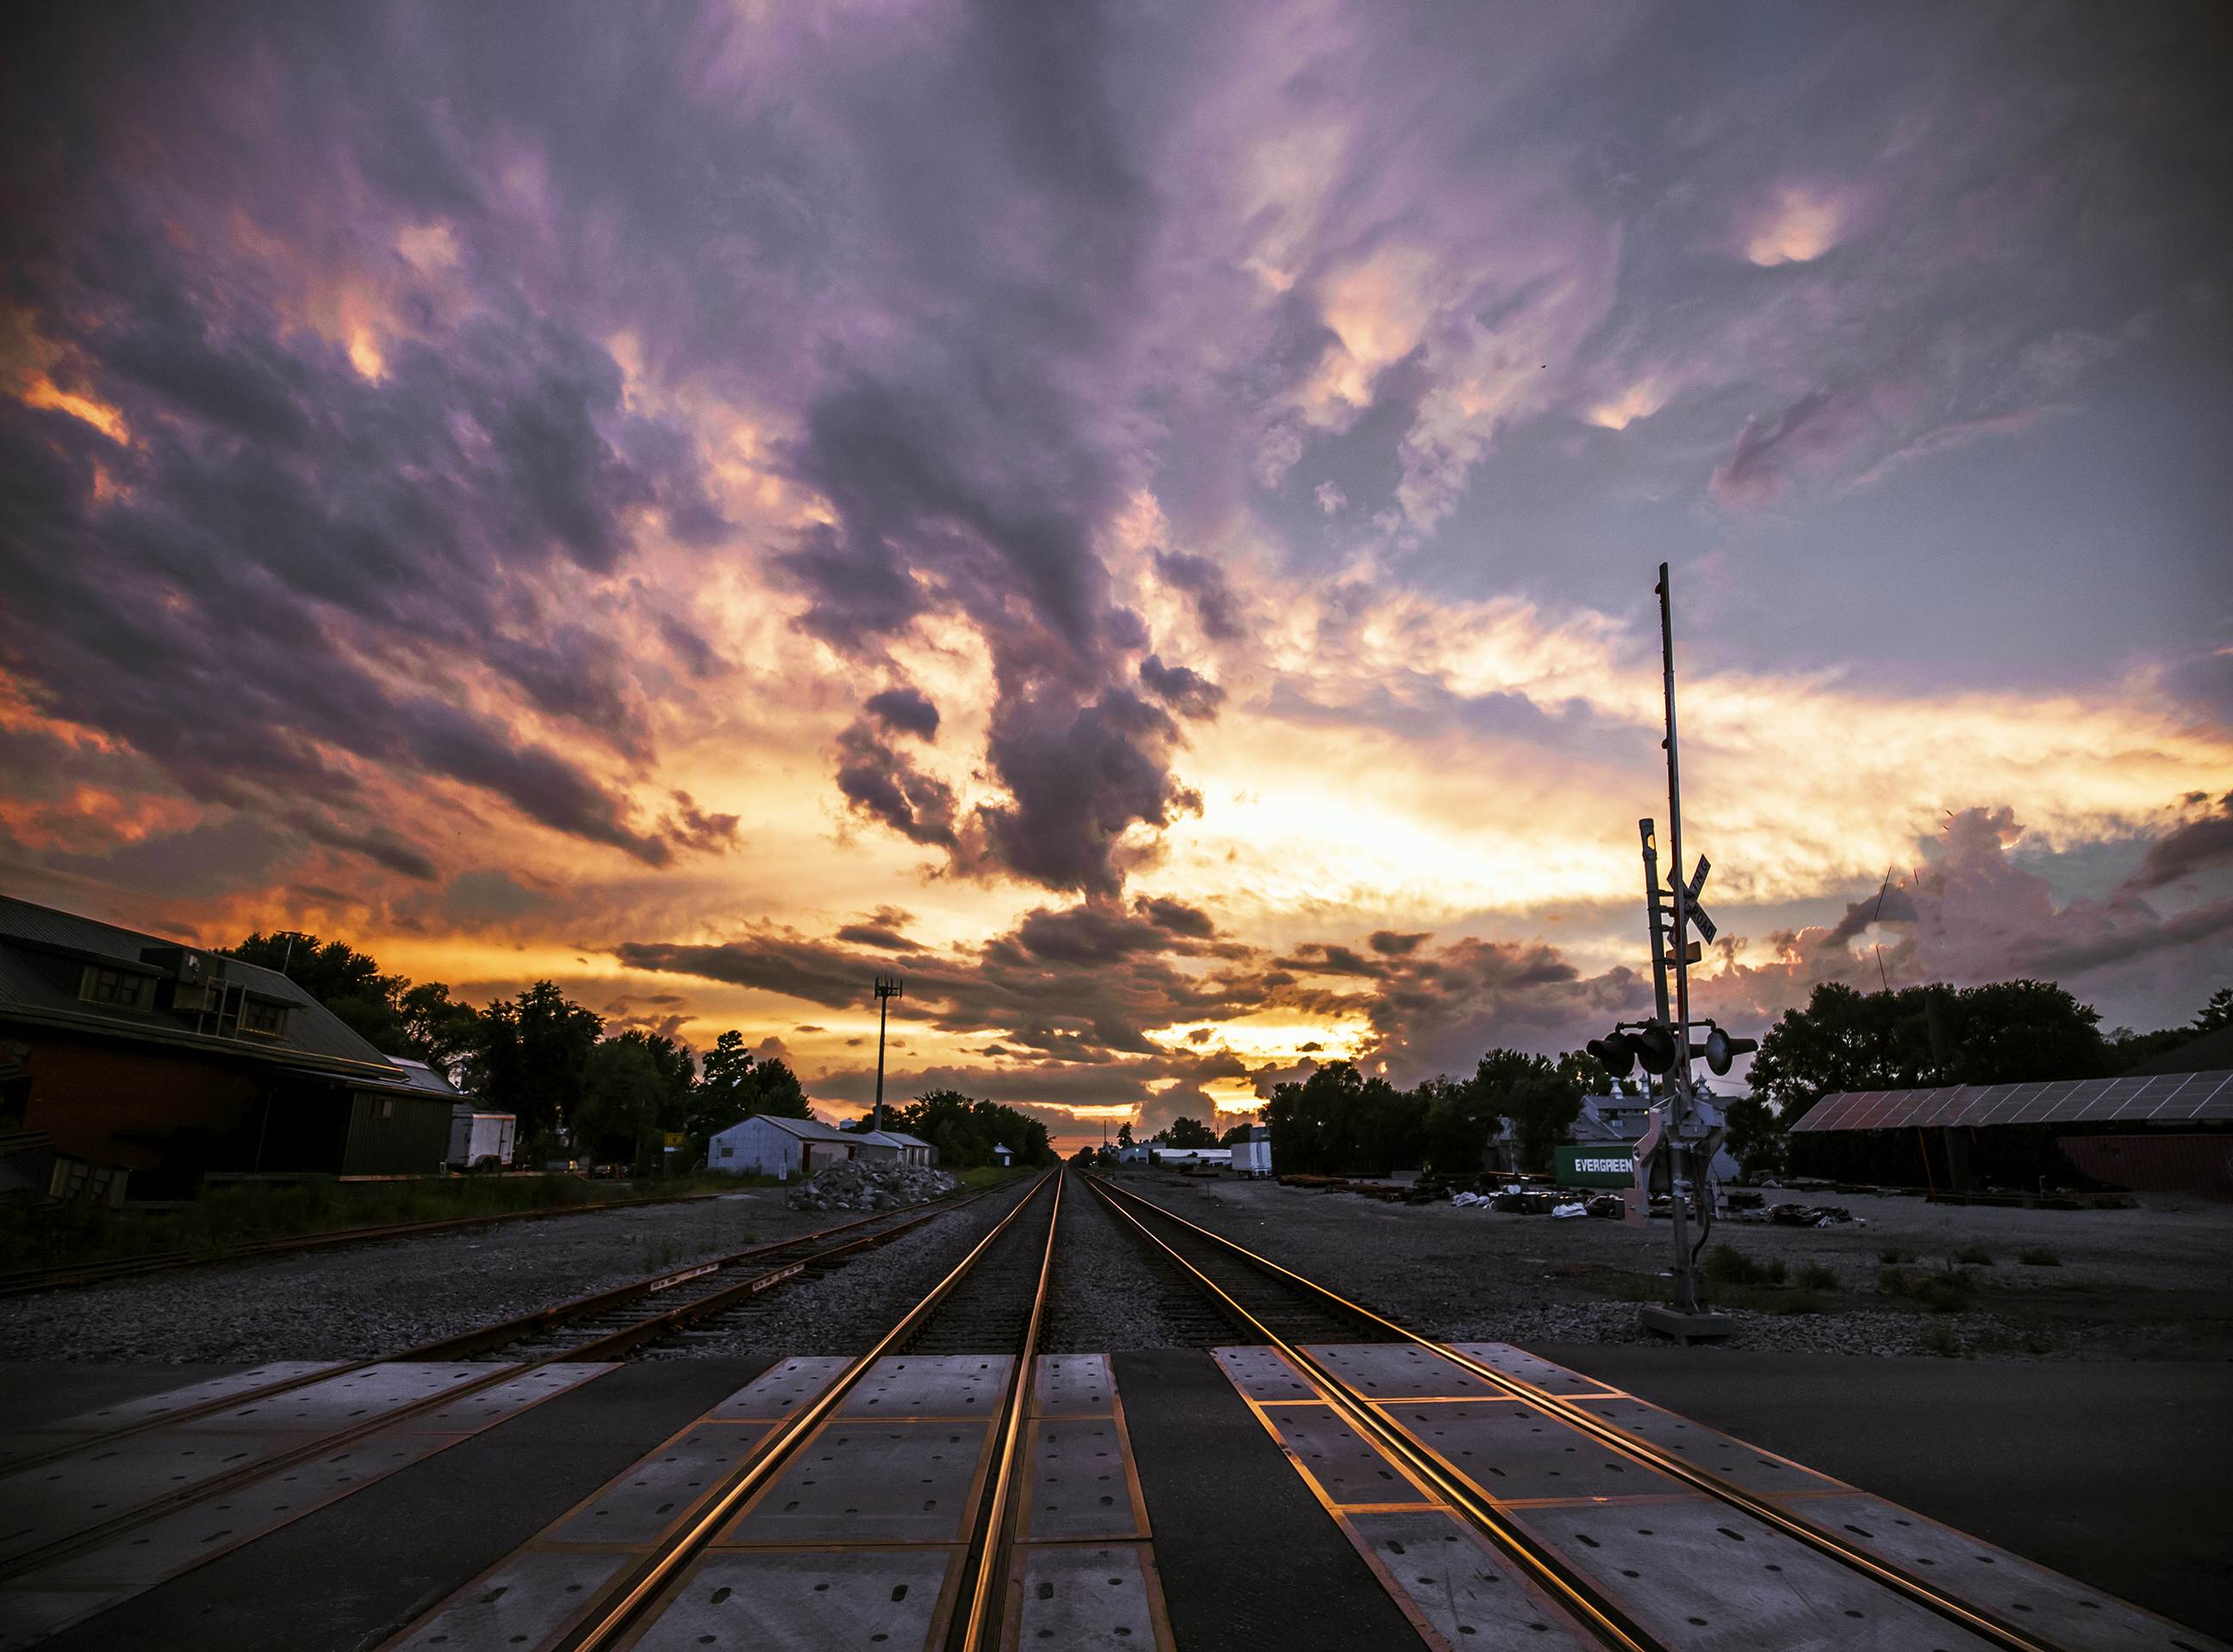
x: 2155, y: 1281
x: 359, y: 1301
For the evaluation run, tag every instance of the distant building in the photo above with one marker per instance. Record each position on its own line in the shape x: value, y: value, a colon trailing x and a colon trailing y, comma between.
x: 892, y: 1146
x: 765, y: 1145
x: 132, y: 1062
x: 1002, y: 1155
x: 1219, y: 1156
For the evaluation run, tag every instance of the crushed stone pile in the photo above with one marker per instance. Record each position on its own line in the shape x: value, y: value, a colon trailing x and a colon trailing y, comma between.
x: 860, y: 1184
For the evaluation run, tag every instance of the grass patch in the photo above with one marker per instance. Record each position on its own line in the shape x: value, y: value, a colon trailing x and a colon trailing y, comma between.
x: 1799, y: 1302
x: 1975, y: 1255
x: 1941, y: 1341
x: 1817, y: 1276
x: 1893, y: 1255
x: 1726, y: 1265
x: 989, y: 1175
x: 226, y: 1217
x: 1944, y: 1290
x: 2039, y: 1256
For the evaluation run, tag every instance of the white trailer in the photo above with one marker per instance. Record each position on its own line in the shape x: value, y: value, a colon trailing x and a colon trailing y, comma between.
x: 1251, y: 1154
x: 480, y: 1138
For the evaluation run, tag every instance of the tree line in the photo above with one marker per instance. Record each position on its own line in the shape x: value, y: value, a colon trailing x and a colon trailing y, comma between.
x: 545, y: 1058
x: 1340, y: 1121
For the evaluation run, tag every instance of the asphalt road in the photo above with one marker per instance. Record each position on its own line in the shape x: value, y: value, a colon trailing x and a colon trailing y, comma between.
x: 2117, y: 1473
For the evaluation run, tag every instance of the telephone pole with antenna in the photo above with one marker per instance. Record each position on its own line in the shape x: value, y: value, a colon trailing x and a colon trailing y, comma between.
x: 888, y: 988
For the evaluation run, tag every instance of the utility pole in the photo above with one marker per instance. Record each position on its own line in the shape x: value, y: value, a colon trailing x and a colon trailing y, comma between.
x: 888, y: 988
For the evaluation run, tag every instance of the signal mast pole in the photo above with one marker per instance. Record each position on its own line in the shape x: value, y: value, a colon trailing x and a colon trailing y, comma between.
x: 888, y: 988
x: 1682, y: 1172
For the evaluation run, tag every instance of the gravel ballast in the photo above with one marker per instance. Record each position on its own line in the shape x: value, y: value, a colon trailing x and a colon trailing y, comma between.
x: 1108, y: 1297
x: 362, y: 1301
x: 2147, y: 1281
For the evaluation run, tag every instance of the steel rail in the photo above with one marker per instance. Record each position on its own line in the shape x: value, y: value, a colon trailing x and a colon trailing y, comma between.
x: 62, y: 1275
x: 483, y: 1338
x: 1977, y: 1620
x: 1599, y: 1615
x: 623, y: 1604
x: 618, y: 1341
x: 981, y: 1627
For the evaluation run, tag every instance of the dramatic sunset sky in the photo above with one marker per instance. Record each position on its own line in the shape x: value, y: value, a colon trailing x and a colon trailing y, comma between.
x: 1139, y: 519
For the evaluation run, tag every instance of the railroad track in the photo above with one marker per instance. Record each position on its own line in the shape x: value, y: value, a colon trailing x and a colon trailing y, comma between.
x: 24, y: 1281
x: 999, y: 1290
x: 1261, y: 1298
x: 603, y: 1325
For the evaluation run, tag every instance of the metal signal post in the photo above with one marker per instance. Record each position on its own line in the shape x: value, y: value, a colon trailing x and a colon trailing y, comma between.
x: 888, y: 988
x: 1683, y: 1133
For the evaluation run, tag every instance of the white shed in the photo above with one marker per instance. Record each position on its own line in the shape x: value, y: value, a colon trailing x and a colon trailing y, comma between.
x: 766, y: 1146
x: 1003, y: 1154
x: 892, y: 1146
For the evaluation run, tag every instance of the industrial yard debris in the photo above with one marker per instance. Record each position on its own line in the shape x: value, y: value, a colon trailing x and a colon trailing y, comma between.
x: 860, y: 1184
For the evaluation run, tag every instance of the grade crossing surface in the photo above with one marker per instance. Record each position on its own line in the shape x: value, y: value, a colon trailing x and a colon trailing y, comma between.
x: 1335, y: 1483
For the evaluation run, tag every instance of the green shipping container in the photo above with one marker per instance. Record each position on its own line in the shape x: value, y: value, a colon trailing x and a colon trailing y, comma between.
x: 1600, y: 1164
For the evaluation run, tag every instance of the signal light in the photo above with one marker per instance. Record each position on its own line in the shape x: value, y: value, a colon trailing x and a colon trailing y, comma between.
x: 1617, y: 1051
x: 1654, y: 1046
x: 1722, y: 1049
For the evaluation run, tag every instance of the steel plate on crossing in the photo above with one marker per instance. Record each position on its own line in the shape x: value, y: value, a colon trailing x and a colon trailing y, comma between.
x: 1345, y: 1467
x: 1078, y: 1489
x: 1512, y: 1452
x: 941, y: 1385
x: 1696, y: 1574
x: 1399, y: 1370
x: 1516, y: 1362
x: 522, y: 1604
x: 772, y: 1601
x: 1072, y: 1385
x: 1707, y: 1449
x: 642, y: 1504
x: 1263, y: 1375
x: 788, y: 1386
x: 1087, y: 1600
x: 1472, y: 1594
x: 869, y: 1481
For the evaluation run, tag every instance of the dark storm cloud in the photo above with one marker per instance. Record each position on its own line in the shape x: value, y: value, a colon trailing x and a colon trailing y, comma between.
x: 1186, y: 691
x: 1390, y: 943
x: 2198, y: 845
x: 1177, y: 917
x: 1204, y: 583
x: 1322, y: 958
x: 904, y: 711
x: 888, y: 786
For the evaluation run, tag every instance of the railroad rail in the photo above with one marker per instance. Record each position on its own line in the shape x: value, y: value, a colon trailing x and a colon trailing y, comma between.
x: 1232, y: 1273
x: 601, y: 1325
x: 24, y: 1281
x: 640, y: 1593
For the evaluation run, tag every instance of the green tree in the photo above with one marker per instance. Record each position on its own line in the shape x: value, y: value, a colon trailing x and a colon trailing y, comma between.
x: 1188, y: 1133
x: 1083, y: 1158
x: 733, y: 1085
x: 1756, y: 1138
x: 2218, y: 1012
x: 2007, y: 1032
x: 1239, y: 1133
x: 1540, y: 1101
x: 965, y: 1131
x: 531, y: 1056
x: 1125, y: 1134
x: 1462, y: 1120
x: 437, y: 1028
x: 622, y: 1093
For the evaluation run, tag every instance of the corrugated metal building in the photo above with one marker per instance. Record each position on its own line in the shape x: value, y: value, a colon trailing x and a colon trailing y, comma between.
x: 890, y: 1147
x: 766, y: 1146
x: 155, y: 1057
